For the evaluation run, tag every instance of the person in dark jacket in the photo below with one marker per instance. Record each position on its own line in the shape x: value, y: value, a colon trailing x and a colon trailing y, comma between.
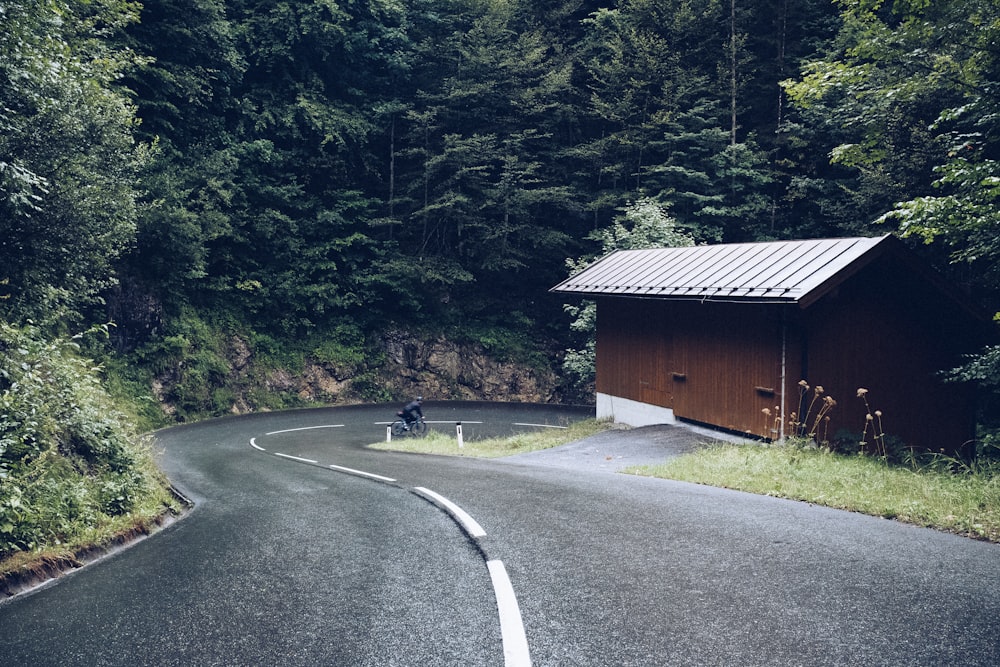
x: 411, y: 412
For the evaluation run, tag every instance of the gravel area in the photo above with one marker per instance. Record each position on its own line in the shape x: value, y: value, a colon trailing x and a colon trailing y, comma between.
x: 618, y: 448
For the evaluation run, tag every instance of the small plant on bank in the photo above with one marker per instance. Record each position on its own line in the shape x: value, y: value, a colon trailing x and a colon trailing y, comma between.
x: 873, y: 423
x: 810, y: 422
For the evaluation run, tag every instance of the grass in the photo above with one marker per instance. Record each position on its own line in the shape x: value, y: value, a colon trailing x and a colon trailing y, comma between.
x: 102, y: 534
x: 964, y: 503
x: 440, y: 442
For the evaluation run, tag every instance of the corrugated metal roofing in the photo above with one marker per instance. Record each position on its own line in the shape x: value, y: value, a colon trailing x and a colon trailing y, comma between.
x: 775, y: 272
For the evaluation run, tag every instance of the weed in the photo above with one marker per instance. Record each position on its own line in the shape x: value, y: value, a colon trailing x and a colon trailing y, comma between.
x: 873, y: 420
x: 811, y: 421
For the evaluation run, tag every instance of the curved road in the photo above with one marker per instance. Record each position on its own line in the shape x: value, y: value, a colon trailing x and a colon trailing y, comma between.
x: 288, y: 561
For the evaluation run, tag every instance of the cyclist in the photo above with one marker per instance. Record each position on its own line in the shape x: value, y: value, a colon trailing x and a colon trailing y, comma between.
x: 411, y: 412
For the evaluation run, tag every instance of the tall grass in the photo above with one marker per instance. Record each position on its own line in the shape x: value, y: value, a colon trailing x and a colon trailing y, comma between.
x: 966, y: 501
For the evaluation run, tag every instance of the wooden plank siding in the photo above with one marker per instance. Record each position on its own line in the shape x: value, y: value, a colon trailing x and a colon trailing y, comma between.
x: 714, y: 363
x: 892, y: 341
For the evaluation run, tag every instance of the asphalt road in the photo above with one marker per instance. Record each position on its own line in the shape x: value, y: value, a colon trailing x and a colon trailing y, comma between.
x: 288, y: 561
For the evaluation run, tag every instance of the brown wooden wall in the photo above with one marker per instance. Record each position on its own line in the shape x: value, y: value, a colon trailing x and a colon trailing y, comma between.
x: 721, y: 363
x: 889, y: 335
x: 714, y: 363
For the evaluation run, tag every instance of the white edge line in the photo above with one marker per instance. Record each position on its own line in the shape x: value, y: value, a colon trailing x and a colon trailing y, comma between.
x: 363, y: 473
x: 515, y: 642
x: 467, y: 522
x: 294, y: 458
x: 539, y: 425
x: 305, y: 428
x: 253, y: 443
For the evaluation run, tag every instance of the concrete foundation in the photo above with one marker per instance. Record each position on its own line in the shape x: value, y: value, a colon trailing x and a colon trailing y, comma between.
x: 633, y: 413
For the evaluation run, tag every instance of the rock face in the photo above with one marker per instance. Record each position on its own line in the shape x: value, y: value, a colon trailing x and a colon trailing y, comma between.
x: 441, y: 369
x: 408, y: 366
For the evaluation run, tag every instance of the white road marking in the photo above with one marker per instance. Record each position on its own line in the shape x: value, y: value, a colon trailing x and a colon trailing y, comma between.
x: 467, y: 522
x: 294, y: 458
x: 362, y: 472
x: 539, y: 425
x: 515, y: 642
x: 305, y: 428
x: 431, y: 421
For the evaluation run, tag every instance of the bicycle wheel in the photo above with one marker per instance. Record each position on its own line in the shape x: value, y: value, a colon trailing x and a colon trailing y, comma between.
x: 397, y: 427
x: 418, y: 428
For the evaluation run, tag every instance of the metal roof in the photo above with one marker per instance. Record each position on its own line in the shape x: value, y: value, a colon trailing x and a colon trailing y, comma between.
x: 772, y: 272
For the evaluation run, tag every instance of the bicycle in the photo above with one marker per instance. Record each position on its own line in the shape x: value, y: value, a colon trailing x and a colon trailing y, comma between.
x: 416, y: 428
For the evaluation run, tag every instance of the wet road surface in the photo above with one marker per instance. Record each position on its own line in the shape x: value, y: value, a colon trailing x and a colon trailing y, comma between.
x: 287, y: 561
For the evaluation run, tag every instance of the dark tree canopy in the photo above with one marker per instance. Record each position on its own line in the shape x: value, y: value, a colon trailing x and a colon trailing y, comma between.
x: 312, y: 164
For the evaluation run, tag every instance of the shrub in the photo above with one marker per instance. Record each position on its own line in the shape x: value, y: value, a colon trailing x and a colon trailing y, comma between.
x: 69, y: 459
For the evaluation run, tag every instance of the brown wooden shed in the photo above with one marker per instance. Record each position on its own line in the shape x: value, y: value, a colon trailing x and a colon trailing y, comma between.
x: 720, y: 334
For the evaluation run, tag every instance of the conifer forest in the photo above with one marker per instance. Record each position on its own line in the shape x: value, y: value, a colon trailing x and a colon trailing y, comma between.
x: 309, y: 174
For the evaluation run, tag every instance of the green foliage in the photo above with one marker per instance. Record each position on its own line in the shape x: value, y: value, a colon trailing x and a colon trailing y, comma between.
x: 68, y: 457
x: 191, y: 359
x: 983, y: 369
x: 910, y: 91
x: 503, y: 341
x: 369, y: 388
x: 643, y: 224
x: 344, y: 349
x: 68, y: 160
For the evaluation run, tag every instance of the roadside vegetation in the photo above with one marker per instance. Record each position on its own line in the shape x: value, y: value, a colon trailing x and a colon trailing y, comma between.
x: 446, y: 443
x: 74, y: 474
x: 941, y: 492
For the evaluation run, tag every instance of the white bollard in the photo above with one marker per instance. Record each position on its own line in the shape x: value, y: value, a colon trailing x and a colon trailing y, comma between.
x: 458, y: 431
x: 388, y: 434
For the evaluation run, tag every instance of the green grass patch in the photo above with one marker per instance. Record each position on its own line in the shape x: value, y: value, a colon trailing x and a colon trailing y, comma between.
x: 967, y: 503
x: 446, y: 442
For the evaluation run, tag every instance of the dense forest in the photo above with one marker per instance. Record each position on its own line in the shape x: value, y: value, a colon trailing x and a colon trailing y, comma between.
x: 310, y: 174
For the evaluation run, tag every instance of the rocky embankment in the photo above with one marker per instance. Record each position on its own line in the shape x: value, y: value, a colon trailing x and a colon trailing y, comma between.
x: 436, y: 368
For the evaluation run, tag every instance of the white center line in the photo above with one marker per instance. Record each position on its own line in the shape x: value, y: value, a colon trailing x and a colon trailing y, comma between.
x: 305, y: 428
x: 294, y: 458
x: 515, y: 642
x: 467, y: 522
x: 362, y: 472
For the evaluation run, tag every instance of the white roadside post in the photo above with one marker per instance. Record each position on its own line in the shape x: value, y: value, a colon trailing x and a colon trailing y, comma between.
x: 388, y: 433
x: 458, y: 431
